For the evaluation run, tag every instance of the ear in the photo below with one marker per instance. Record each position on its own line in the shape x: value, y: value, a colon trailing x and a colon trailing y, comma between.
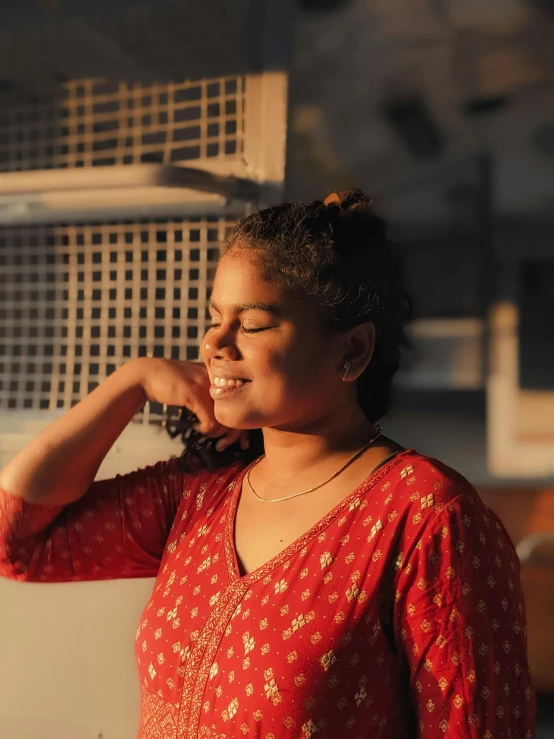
x: 359, y: 344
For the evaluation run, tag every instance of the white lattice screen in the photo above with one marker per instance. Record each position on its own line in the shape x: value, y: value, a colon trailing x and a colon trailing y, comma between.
x: 92, y: 122
x: 78, y: 301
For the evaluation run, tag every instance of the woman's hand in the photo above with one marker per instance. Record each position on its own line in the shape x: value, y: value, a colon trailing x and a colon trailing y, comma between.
x: 186, y: 384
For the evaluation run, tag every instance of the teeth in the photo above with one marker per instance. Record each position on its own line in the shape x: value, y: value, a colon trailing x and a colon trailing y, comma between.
x: 222, y: 382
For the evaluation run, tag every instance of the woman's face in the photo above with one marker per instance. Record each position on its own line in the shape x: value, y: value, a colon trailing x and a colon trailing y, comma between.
x: 269, y: 360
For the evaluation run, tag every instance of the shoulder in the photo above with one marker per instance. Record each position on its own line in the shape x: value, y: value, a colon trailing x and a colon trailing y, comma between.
x: 421, y: 488
x: 167, y: 475
x: 221, y: 481
x: 199, y: 475
x: 417, y: 475
x: 202, y: 486
x: 170, y: 486
x: 438, y: 508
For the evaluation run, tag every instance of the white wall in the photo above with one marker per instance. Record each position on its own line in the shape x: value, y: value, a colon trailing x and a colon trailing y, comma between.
x: 66, y: 651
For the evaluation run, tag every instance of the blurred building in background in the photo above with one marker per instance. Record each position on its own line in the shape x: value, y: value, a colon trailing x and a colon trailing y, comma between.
x: 132, y: 136
x: 445, y: 111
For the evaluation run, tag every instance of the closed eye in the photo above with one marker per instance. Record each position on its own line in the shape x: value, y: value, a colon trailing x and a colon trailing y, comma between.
x: 243, y: 328
x: 253, y: 330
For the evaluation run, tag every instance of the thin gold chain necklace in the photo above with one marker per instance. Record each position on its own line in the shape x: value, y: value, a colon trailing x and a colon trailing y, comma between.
x: 316, y: 487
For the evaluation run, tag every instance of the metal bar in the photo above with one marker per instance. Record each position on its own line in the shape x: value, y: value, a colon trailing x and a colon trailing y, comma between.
x: 128, y: 177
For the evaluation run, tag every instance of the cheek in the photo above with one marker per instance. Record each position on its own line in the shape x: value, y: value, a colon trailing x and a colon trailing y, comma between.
x: 301, y: 366
x: 266, y: 362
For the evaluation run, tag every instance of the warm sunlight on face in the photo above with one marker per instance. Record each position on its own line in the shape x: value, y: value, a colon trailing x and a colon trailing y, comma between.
x: 270, y: 362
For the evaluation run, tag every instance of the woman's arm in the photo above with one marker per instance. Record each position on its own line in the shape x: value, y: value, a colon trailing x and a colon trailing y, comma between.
x: 59, y: 466
x: 118, y: 529
x: 460, y: 627
x: 57, y: 524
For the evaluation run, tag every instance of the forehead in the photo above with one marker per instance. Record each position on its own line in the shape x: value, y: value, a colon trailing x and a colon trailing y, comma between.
x: 239, y: 279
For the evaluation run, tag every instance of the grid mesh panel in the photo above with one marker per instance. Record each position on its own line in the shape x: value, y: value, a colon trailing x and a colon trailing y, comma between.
x: 78, y: 301
x: 99, y: 123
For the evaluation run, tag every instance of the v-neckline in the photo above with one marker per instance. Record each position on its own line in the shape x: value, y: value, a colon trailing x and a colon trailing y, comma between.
x: 231, y: 555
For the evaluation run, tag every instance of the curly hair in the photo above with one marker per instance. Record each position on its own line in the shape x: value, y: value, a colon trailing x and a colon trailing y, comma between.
x: 337, y: 253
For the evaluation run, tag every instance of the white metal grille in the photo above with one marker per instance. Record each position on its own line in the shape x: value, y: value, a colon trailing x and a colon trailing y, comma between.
x: 94, y: 122
x: 78, y: 301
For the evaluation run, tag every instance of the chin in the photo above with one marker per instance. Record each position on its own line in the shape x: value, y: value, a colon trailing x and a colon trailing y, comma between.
x: 235, y: 419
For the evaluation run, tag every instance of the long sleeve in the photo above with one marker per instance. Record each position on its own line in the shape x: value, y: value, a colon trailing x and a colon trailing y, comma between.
x: 460, y: 625
x: 118, y: 529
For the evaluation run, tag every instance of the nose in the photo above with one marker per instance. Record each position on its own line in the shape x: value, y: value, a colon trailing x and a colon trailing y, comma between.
x: 219, y: 343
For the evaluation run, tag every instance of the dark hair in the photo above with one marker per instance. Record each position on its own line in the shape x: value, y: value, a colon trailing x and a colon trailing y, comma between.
x: 337, y: 253
x: 199, y: 452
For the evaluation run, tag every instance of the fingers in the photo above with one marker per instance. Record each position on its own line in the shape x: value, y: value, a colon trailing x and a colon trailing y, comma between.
x: 208, y: 426
x: 211, y: 429
x: 225, y: 436
x: 228, y: 438
x: 203, y: 409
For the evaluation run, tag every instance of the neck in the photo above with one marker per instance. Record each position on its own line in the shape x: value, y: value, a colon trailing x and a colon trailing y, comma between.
x: 293, y: 454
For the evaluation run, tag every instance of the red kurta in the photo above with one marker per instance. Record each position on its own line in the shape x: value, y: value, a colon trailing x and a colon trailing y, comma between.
x: 398, y: 615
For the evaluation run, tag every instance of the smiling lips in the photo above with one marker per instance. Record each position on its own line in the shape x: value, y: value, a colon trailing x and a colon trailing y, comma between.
x: 228, y: 382
x: 224, y: 386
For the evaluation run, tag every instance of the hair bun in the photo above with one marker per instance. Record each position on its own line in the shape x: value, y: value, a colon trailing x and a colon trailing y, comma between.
x: 349, y: 199
x: 332, y: 199
x: 355, y: 199
x: 353, y: 220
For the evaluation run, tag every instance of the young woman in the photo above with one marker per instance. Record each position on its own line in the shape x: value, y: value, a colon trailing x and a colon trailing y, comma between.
x: 336, y: 585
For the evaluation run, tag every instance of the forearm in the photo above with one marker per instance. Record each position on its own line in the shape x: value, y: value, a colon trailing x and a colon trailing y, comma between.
x: 59, y: 465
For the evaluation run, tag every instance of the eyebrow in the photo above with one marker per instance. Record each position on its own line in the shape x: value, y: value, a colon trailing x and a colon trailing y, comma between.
x: 241, y: 308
